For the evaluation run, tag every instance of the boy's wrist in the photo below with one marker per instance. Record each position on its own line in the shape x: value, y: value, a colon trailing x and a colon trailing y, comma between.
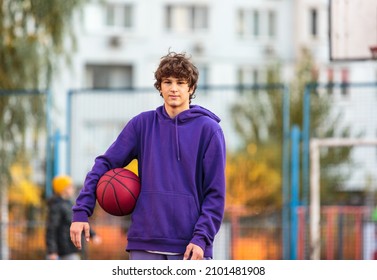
x: 80, y: 216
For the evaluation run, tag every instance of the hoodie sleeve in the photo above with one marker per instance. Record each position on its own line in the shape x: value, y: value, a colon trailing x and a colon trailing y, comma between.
x: 212, y: 209
x: 119, y: 154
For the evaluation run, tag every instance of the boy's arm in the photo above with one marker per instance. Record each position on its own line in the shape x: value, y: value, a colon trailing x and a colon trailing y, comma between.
x: 212, y: 208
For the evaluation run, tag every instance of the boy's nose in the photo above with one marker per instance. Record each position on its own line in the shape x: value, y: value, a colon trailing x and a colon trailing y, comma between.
x: 173, y: 86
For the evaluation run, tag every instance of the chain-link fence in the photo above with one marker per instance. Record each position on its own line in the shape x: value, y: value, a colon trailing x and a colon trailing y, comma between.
x: 258, y: 114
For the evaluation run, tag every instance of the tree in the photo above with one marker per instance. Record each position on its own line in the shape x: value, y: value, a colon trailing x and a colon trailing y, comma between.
x: 324, y: 124
x: 33, y: 36
x: 253, y: 183
x: 258, y: 120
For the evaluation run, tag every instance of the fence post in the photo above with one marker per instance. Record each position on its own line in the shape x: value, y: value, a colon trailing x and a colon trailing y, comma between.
x: 306, y: 156
x: 294, y: 203
x: 285, y: 170
x: 49, y: 160
x: 68, y: 129
x: 57, y: 139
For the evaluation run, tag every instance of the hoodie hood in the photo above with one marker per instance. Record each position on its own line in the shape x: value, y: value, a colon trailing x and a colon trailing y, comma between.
x: 195, y: 111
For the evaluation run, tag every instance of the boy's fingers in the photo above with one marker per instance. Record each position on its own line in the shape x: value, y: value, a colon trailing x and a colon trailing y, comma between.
x: 188, y: 252
x: 87, y: 232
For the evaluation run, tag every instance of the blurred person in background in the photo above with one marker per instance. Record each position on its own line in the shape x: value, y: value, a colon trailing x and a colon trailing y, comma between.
x: 58, y: 242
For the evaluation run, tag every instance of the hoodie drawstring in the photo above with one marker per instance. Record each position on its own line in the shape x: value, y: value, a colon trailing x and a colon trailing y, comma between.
x: 195, y: 111
x: 177, y: 139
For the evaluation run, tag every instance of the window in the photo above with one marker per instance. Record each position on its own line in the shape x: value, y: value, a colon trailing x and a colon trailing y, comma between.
x: 203, y: 77
x: 248, y: 77
x: 119, y: 15
x: 271, y: 24
x: 183, y: 18
x: 345, y: 81
x: 256, y: 23
x: 330, y: 80
x: 256, y: 76
x: 199, y: 18
x: 108, y: 76
x: 313, y: 22
x: 241, y: 22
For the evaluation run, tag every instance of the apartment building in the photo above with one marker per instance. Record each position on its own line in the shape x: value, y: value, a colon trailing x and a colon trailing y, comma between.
x: 233, y: 42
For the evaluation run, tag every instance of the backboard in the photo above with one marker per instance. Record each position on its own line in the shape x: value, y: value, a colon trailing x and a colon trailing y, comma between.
x: 353, y: 30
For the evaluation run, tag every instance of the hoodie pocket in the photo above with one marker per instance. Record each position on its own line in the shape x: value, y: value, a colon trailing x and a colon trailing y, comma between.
x: 164, y: 215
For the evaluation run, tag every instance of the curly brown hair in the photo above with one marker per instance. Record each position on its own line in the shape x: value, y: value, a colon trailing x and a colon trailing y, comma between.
x: 179, y: 66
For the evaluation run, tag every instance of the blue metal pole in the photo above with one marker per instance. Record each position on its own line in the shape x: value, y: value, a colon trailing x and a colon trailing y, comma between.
x: 295, y: 181
x: 285, y: 170
x: 48, y: 188
x: 306, y: 147
x: 57, y: 138
x: 68, y: 128
x: 306, y: 156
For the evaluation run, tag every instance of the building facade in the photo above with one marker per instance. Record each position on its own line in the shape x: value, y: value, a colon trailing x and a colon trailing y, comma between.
x: 233, y: 42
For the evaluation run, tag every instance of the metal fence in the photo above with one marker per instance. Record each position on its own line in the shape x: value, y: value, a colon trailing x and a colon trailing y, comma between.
x: 239, y: 238
x: 94, y: 119
x: 347, y: 235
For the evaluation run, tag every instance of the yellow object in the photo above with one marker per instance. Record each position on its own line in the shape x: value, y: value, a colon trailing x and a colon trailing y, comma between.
x: 60, y: 183
x: 133, y: 166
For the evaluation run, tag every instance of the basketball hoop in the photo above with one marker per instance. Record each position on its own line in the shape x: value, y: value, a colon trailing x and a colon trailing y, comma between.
x: 373, y: 50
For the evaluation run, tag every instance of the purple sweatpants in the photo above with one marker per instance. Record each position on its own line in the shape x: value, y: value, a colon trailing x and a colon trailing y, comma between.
x: 144, y: 255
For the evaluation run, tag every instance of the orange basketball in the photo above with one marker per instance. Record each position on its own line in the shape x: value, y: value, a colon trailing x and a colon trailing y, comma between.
x: 117, y: 191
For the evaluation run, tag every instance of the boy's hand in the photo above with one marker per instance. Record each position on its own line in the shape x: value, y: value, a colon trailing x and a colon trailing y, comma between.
x: 76, y: 231
x: 193, y: 252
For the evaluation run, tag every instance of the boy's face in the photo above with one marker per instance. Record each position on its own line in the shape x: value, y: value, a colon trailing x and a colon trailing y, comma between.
x: 68, y: 192
x: 176, y: 93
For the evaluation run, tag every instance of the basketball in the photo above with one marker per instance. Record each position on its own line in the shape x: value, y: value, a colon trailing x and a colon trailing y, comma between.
x: 117, y: 191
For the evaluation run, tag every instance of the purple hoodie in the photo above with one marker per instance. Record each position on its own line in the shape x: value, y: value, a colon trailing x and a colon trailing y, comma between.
x: 181, y: 165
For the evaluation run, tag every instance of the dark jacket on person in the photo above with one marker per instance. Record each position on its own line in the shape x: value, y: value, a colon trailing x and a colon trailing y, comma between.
x: 58, y: 225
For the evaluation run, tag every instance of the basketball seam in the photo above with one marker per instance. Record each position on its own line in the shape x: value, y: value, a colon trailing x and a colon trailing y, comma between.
x: 125, y: 176
x: 107, y: 185
x: 110, y: 184
x: 124, y: 186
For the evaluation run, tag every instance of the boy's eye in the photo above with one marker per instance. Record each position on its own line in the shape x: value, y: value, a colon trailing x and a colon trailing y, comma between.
x: 179, y: 82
